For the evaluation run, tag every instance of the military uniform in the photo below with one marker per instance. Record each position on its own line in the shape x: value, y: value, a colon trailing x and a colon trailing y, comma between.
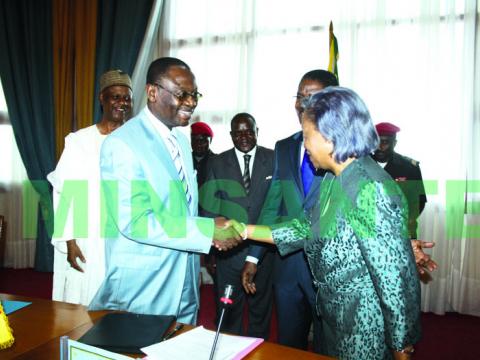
x: 406, y: 172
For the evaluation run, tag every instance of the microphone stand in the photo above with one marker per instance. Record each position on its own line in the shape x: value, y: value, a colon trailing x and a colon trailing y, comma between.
x: 226, y: 300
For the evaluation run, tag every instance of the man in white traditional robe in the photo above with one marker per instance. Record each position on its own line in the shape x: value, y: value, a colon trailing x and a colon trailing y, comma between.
x: 79, y: 255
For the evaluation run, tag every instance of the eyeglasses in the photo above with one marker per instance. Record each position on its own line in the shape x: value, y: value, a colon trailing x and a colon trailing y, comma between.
x: 181, y: 95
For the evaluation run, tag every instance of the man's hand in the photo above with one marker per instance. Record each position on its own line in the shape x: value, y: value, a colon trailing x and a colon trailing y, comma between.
x: 221, y: 222
x: 74, y: 252
x: 209, y: 261
x: 248, y: 273
x: 423, y: 261
x: 225, y: 237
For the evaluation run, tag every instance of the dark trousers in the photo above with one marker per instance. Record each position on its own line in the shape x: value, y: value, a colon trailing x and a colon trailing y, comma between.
x: 295, y: 302
x: 229, y: 269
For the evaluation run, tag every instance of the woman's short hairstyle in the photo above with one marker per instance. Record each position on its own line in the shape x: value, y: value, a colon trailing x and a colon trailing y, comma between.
x: 342, y: 117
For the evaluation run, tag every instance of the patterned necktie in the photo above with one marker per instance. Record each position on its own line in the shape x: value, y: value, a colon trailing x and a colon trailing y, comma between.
x: 246, y: 173
x: 308, y: 173
x: 177, y: 160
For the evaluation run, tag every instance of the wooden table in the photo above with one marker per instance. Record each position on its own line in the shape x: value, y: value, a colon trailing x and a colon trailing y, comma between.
x: 38, y: 327
x: 42, y: 322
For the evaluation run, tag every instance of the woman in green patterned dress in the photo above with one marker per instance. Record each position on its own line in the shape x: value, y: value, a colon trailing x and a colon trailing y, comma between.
x: 356, y: 239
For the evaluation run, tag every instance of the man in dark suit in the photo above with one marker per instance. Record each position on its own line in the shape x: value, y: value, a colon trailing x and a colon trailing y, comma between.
x: 237, y: 183
x: 294, y: 191
x: 405, y: 171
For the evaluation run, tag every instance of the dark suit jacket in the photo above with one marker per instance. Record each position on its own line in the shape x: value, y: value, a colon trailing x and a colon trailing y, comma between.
x: 223, y: 193
x: 285, y: 199
x: 292, y: 278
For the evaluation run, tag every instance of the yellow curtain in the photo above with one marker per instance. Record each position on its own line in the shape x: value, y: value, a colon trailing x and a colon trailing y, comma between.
x: 85, y: 45
x: 74, y: 42
x: 63, y: 64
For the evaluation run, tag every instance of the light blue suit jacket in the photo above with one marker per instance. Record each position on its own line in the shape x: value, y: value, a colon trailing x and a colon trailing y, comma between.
x: 152, y: 235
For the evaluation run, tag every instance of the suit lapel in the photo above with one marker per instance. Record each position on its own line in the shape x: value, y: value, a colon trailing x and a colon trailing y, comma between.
x: 158, y: 147
x: 258, y: 170
x: 295, y: 158
x: 234, y: 167
x: 159, y: 150
x: 317, y: 180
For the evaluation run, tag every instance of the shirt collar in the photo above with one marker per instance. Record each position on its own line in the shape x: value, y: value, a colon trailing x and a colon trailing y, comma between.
x: 251, y: 153
x: 159, y: 126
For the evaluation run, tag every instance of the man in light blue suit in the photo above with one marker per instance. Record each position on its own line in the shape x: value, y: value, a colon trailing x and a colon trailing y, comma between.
x: 153, y: 233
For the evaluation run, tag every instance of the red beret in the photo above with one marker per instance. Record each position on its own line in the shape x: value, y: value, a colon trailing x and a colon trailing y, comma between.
x: 201, y: 128
x: 386, y: 129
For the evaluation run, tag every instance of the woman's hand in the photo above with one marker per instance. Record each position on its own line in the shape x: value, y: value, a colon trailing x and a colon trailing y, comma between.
x: 241, y: 228
x: 225, y: 236
x: 261, y: 233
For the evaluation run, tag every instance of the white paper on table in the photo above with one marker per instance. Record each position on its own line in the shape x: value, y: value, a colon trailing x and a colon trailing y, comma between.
x: 197, y: 344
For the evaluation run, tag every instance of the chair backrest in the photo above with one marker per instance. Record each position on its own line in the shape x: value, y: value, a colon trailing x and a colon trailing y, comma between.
x: 3, y: 232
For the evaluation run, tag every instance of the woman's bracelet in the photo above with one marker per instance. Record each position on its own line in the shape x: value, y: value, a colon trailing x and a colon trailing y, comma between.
x: 244, y: 233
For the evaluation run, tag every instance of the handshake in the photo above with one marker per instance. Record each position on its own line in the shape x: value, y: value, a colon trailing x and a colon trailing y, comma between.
x: 228, y: 234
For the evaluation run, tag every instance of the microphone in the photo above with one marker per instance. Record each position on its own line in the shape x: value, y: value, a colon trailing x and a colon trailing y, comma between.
x: 226, y: 300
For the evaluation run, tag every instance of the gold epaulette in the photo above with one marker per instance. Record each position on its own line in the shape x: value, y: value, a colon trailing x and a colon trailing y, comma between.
x: 411, y: 161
